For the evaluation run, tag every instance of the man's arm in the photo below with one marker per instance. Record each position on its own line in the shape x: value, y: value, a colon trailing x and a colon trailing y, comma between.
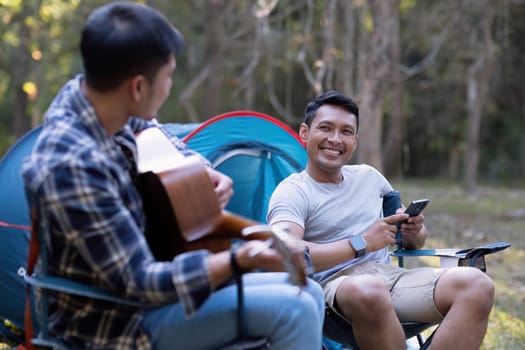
x: 327, y: 255
x: 323, y: 255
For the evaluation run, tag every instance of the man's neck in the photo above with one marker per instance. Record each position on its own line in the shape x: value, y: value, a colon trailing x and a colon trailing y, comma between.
x: 110, y: 107
x: 325, y: 177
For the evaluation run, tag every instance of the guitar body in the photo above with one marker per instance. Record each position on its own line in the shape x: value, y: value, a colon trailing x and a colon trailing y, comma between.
x: 160, y: 219
x: 183, y: 212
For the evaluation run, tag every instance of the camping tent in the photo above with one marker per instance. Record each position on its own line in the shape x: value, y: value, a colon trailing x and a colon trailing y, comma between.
x: 14, y: 232
x: 254, y: 149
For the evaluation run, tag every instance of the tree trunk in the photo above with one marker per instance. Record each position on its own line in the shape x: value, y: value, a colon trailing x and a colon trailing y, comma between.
x: 378, y: 65
x: 247, y: 80
x: 348, y: 48
x: 478, y: 82
x: 325, y: 74
x: 212, y: 88
x: 209, y: 77
x: 392, y: 159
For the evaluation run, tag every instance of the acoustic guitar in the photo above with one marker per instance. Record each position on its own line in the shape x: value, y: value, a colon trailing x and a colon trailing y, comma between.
x: 183, y: 212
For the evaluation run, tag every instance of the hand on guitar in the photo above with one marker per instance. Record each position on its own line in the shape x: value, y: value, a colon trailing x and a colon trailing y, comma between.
x: 290, y: 250
x: 222, y: 186
x: 258, y: 255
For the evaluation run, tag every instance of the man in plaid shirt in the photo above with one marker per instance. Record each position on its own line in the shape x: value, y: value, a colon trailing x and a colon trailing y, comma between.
x: 81, y: 172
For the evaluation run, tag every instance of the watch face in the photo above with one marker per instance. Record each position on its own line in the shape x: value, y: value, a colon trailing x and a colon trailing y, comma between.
x: 358, y: 243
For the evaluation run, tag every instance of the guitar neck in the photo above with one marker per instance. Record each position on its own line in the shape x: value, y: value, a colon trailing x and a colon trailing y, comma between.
x: 233, y: 226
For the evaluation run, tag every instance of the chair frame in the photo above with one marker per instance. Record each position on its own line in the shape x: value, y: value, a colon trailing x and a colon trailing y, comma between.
x: 338, y: 329
x: 46, y: 283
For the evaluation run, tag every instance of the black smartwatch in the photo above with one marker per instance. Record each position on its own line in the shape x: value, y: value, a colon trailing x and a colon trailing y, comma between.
x: 358, y: 244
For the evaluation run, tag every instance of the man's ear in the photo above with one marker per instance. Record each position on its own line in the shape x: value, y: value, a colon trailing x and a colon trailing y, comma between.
x: 303, y: 131
x: 136, y: 86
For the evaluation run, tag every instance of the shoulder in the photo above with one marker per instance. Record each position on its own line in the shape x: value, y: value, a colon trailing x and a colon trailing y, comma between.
x: 294, y: 187
x: 297, y: 181
x: 63, y: 138
x: 361, y: 170
x: 137, y: 124
x: 63, y: 152
x: 366, y: 177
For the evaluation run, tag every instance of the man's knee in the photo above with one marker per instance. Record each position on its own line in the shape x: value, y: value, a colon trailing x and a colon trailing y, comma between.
x: 483, y: 287
x: 466, y: 285
x: 363, y: 295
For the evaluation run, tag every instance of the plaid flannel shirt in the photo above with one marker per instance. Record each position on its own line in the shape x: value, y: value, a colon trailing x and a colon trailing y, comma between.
x: 81, y: 177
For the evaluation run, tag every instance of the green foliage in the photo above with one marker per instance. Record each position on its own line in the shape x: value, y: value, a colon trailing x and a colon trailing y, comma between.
x: 406, y: 5
x: 268, y: 64
x: 437, y: 122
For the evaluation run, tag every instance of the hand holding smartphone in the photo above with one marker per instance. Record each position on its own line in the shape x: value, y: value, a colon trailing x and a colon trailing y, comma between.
x: 417, y: 206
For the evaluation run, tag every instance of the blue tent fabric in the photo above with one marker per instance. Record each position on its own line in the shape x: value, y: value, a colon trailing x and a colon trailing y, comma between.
x: 256, y: 150
x: 14, y: 230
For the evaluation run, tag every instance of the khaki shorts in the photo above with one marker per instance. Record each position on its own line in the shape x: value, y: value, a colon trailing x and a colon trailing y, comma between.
x: 406, y: 286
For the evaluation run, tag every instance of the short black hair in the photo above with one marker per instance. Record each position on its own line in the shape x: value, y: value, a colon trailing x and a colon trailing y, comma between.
x: 330, y: 98
x: 123, y: 39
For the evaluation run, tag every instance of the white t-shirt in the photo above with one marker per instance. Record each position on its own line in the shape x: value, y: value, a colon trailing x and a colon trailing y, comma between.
x: 329, y: 212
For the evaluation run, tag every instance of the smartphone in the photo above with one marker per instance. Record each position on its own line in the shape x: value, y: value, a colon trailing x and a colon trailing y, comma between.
x: 417, y: 206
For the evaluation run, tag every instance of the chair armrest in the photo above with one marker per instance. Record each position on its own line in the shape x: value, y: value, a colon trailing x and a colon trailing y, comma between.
x: 457, y: 257
x: 62, y: 285
x: 482, y: 250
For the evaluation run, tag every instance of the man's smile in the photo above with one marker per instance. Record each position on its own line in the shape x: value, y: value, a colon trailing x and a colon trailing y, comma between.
x: 331, y: 151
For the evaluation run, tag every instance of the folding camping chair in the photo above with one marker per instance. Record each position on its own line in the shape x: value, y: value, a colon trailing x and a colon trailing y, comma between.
x: 340, y: 330
x: 54, y: 284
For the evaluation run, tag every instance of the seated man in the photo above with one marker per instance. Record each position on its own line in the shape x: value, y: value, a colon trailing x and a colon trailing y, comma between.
x: 337, y: 209
x: 81, y: 171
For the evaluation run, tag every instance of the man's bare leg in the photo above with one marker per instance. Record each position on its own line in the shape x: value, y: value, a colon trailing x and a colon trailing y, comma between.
x: 465, y: 296
x: 366, y: 301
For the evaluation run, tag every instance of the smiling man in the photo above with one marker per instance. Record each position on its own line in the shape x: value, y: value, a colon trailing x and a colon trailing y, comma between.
x: 336, y: 209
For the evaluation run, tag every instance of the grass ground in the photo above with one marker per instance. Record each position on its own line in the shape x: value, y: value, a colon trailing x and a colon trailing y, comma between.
x: 457, y: 219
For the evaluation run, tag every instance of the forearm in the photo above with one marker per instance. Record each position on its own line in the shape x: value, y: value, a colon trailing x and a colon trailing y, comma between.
x: 323, y: 255
x: 219, y: 269
x: 327, y: 255
x: 415, y: 241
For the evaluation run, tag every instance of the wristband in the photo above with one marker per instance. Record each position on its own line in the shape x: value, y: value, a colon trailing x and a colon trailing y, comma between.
x: 237, y: 270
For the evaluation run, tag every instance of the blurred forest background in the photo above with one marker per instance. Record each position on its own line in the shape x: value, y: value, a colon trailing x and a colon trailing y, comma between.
x: 440, y: 85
